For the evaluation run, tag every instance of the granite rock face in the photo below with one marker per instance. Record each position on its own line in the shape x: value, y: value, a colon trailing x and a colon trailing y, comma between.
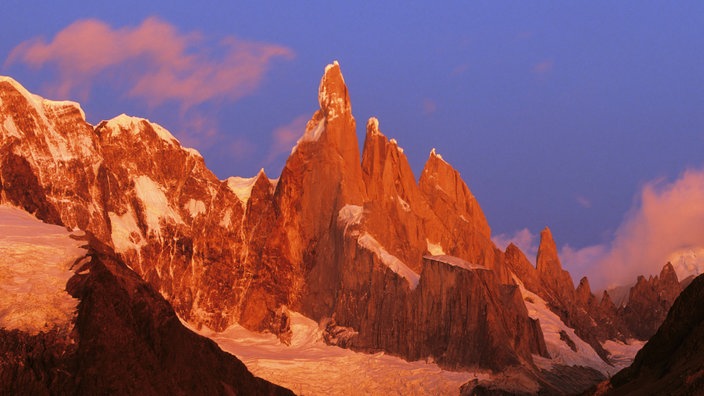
x: 247, y: 250
x: 649, y: 301
x: 387, y: 262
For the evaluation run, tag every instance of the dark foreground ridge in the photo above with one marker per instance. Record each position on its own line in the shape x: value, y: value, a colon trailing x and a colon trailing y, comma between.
x: 127, y: 340
x: 672, y: 362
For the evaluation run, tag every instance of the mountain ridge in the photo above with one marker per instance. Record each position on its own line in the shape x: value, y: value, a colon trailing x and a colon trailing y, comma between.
x: 340, y: 236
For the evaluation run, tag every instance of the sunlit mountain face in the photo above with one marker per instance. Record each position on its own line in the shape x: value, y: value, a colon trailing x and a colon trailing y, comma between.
x: 350, y: 198
x: 346, y: 259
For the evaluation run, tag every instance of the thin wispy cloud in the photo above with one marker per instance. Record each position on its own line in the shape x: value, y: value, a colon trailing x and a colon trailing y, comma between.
x: 543, y: 67
x: 583, y: 201
x: 667, y: 221
x: 460, y: 69
x: 429, y: 106
x: 666, y: 224
x: 153, y: 61
x: 285, y: 137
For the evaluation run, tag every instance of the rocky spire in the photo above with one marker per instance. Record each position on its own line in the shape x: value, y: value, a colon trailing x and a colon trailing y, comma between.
x: 606, y: 304
x: 550, y: 270
x: 467, y: 232
x: 441, y: 182
x: 322, y: 175
x: 584, y: 293
x: 547, y: 261
x: 668, y: 275
x: 398, y: 212
x: 649, y: 300
x: 333, y: 97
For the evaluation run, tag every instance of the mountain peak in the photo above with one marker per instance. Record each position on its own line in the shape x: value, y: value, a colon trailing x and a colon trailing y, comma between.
x: 136, y: 125
x: 373, y: 126
x: 434, y: 154
x: 547, y: 260
x: 332, y: 95
x: 41, y: 104
x: 668, y: 274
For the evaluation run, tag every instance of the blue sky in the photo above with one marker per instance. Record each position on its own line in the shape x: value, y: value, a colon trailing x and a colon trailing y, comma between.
x: 556, y: 113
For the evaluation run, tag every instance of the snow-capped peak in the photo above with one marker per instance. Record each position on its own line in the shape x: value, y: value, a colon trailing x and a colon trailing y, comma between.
x: 132, y: 124
x: 331, y: 65
x: 332, y: 94
x: 433, y: 153
x: 373, y: 126
x: 41, y: 103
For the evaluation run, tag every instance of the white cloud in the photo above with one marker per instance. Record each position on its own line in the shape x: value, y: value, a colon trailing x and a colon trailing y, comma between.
x: 666, y: 223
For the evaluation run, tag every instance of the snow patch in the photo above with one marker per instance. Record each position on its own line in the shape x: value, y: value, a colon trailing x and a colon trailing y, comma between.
x: 195, y: 207
x: 225, y: 221
x: 192, y: 151
x: 559, y: 350
x: 333, y: 103
x: 60, y: 106
x: 35, y: 264
x: 133, y: 125
x: 373, y: 123
x: 242, y: 187
x: 434, y: 154
x: 274, y: 183
x: 163, y: 133
x: 35, y: 100
x: 126, y: 234
x: 622, y: 354
x: 313, y: 134
x: 155, y: 202
x: 435, y: 249
x: 395, y: 143
x: 368, y: 242
x: 455, y: 262
x: 350, y: 215
x: 310, y: 367
x: 11, y: 128
x: 404, y: 205
x: 310, y: 135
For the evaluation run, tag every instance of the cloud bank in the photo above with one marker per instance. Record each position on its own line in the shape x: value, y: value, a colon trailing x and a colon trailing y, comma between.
x: 668, y: 219
x: 154, y: 62
x: 665, y: 224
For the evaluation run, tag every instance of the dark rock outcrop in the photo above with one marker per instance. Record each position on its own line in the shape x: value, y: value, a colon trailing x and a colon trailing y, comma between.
x: 126, y: 340
x: 672, y: 362
x: 458, y: 316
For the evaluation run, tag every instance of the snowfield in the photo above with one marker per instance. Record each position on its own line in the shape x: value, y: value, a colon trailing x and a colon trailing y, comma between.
x: 310, y: 367
x: 35, y: 264
x: 560, y: 351
x: 622, y: 355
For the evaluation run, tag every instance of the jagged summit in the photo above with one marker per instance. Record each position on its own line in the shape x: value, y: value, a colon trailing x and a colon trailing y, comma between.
x: 42, y: 105
x: 668, y: 274
x: 333, y: 97
x: 373, y: 126
x: 547, y: 260
x: 339, y: 238
x: 434, y: 154
x: 124, y: 122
